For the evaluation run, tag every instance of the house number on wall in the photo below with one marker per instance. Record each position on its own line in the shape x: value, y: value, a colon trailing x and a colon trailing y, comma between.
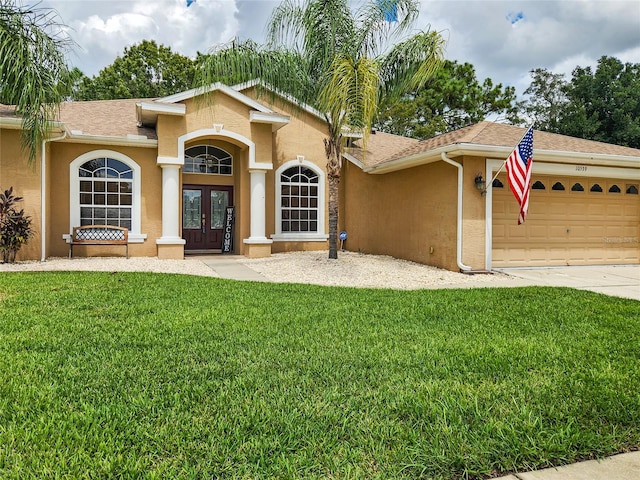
x: 581, y: 168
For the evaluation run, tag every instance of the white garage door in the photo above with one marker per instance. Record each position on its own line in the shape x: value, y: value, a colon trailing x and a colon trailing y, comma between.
x: 571, y: 221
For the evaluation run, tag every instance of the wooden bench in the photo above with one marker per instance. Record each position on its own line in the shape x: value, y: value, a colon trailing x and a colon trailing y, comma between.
x: 99, y: 235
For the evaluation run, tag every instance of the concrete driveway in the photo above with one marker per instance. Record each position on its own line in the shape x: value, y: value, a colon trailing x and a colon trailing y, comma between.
x: 620, y: 280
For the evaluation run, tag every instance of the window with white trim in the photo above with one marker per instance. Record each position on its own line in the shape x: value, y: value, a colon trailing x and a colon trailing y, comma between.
x: 105, y: 188
x: 106, y: 192
x: 299, y: 202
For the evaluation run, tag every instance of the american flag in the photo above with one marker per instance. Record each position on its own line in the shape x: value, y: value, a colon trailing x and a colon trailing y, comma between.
x: 519, y: 166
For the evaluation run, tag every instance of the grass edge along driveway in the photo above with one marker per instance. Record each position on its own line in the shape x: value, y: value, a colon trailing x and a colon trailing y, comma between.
x: 138, y: 375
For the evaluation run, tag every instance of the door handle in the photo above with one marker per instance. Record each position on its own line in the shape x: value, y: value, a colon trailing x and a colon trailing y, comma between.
x: 204, y: 220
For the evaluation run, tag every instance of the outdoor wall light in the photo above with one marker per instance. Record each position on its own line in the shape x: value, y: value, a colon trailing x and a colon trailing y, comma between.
x: 481, y: 184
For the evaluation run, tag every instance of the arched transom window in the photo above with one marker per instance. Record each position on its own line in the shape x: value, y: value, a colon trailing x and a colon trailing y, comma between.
x: 208, y: 159
x: 106, y: 192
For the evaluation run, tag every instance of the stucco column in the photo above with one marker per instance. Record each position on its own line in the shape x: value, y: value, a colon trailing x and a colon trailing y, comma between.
x: 170, y: 245
x: 258, y: 245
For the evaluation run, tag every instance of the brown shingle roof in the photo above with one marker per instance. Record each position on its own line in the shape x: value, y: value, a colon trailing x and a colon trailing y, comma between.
x: 112, y: 118
x: 501, y: 135
x: 380, y: 147
x: 7, y: 110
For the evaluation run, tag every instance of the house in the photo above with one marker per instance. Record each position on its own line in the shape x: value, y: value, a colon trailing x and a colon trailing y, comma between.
x: 169, y: 168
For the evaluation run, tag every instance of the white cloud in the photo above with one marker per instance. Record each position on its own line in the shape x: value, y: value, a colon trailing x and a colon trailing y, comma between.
x: 503, y: 39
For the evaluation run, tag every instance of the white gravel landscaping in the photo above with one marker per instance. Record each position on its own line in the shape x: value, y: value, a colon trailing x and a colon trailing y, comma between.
x: 358, y: 270
x: 350, y: 270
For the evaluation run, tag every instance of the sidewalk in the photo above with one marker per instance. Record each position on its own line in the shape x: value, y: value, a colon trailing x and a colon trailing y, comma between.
x: 625, y: 466
x: 229, y: 267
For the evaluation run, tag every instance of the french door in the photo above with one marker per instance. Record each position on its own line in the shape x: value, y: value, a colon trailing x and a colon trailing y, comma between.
x: 203, y: 215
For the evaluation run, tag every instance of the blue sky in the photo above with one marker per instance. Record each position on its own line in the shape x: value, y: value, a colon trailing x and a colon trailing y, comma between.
x: 503, y: 39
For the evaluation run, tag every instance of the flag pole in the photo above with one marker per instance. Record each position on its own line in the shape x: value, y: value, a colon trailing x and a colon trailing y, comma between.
x: 505, y: 161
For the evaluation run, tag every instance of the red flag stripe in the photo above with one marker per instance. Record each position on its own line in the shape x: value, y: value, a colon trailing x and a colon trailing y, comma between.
x: 519, y: 166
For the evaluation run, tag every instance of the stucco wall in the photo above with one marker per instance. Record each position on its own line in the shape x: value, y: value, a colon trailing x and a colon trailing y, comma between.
x: 408, y: 214
x: 473, y: 214
x: 25, y: 179
x: 61, y: 155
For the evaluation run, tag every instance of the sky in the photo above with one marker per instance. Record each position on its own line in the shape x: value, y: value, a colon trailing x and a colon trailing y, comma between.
x: 503, y: 39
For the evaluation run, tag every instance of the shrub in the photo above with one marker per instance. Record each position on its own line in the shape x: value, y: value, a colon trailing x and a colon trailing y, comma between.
x: 15, y: 226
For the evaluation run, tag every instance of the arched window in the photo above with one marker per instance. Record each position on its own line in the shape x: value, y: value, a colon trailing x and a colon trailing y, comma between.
x: 632, y: 189
x: 106, y: 192
x: 497, y: 184
x: 558, y: 186
x: 596, y: 188
x: 207, y: 159
x: 538, y: 185
x: 577, y: 187
x: 299, y: 202
x: 614, y: 189
x: 104, y: 189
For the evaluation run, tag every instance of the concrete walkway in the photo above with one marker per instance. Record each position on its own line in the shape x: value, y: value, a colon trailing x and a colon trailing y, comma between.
x: 616, y: 280
x: 625, y: 466
x: 228, y: 266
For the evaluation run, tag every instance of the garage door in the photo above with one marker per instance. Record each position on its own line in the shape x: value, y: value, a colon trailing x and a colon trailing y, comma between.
x: 571, y: 221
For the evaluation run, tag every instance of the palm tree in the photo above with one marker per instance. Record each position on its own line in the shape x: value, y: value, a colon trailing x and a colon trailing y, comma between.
x: 340, y: 62
x: 32, y: 67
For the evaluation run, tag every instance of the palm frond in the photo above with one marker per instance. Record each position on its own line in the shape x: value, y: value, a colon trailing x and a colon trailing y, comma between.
x: 351, y: 93
x: 281, y: 70
x: 33, y: 45
x: 411, y: 63
x: 285, y: 27
x: 375, y: 32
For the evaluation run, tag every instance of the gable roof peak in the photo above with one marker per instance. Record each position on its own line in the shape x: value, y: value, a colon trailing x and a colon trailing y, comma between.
x: 214, y: 87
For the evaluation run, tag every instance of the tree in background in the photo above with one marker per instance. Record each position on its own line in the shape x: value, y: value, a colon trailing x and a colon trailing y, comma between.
x: 547, y: 100
x: 326, y: 56
x: 603, y: 105
x: 453, y: 98
x: 32, y: 63
x: 145, y: 70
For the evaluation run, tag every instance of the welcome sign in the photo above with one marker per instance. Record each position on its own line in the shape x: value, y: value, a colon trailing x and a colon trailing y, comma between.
x: 227, y: 238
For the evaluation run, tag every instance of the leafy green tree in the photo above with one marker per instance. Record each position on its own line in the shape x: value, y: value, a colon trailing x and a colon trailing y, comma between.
x: 601, y: 105
x: 32, y: 63
x: 604, y: 105
x: 323, y: 54
x: 453, y: 98
x: 145, y: 70
x: 69, y: 83
x: 547, y: 100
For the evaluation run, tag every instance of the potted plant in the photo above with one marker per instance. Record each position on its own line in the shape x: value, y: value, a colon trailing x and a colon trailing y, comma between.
x: 15, y: 226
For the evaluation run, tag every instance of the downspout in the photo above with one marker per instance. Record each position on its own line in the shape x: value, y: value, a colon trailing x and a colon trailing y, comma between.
x: 43, y: 191
x: 462, y: 266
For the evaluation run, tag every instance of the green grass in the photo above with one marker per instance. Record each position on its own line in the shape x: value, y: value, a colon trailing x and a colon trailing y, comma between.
x: 165, y: 376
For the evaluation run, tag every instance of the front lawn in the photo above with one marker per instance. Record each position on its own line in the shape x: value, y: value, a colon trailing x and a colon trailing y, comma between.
x: 138, y: 375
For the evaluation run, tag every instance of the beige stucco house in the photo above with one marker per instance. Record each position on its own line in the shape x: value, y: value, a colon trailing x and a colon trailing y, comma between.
x: 168, y: 169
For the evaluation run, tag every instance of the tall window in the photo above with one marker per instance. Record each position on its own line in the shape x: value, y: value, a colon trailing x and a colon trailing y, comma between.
x: 299, y: 200
x: 106, y: 192
x: 207, y: 159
